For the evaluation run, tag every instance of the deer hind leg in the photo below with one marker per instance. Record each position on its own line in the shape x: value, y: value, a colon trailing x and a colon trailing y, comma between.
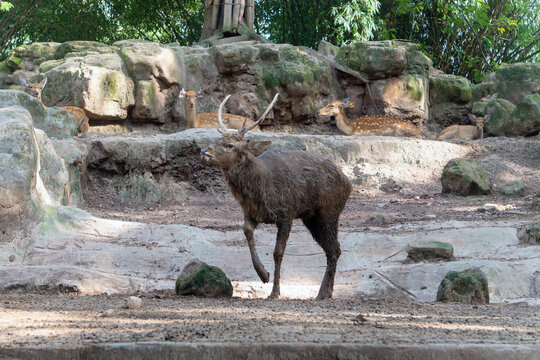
x: 249, y: 227
x: 284, y: 228
x: 324, y: 230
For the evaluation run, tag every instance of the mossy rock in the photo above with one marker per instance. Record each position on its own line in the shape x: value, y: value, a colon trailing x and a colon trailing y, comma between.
x: 430, y: 251
x: 516, y: 81
x: 500, y: 111
x: 83, y: 47
x: 479, y: 108
x: 469, y: 286
x: 513, y: 188
x: 378, y: 60
x: 234, y: 57
x: 530, y: 234
x: 525, y: 120
x: 450, y: 88
x: 200, y: 279
x: 464, y: 177
x: 535, y: 204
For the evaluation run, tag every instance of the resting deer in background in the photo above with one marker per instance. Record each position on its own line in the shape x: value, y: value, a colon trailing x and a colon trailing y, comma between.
x: 465, y: 132
x: 275, y: 187
x: 209, y: 120
x: 78, y: 113
x: 368, y: 125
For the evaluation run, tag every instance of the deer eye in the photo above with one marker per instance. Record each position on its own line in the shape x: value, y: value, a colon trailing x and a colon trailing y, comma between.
x: 227, y: 147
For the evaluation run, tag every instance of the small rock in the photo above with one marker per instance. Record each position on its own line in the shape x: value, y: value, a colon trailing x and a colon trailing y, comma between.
x: 535, y: 204
x: 182, y: 249
x: 169, y: 336
x: 377, y: 219
x: 200, y: 279
x: 513, y: 188
x: 133, y: 302
x: 469, y: 286
x: 430, y: 251
x: 11, y: 258
x: 496, y: 207
x: 530, y: 234
x: 108, y: 312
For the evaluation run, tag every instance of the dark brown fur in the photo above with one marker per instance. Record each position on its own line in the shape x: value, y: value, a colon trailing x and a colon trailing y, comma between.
x: 276, y: 187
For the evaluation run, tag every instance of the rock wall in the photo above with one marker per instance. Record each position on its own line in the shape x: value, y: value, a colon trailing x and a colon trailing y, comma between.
x: 139, y: 81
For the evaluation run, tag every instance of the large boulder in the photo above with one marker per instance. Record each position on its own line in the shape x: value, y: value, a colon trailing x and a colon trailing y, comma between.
x: 464, y: 177
x: 525, y: 119
x: 514, y: 82
x: 399, y: 74
x: 449, y: 99
x: 469, y: 286
x: 500, y: 111
x: 200, y: 279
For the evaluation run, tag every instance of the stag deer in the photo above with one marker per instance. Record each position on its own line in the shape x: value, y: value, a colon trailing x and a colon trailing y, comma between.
x: 275, y: 187
x: 465, y: 132
x: 78, y: 113
x: 209, y: 120
x: 368, y: 125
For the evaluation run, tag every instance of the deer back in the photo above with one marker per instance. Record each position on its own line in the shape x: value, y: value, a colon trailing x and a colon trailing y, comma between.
x: 384, y: 126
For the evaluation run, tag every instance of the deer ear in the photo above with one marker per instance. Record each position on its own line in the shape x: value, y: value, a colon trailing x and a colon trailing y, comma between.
x: 486, y: 117
x: 182, y: 93
x: 200, y: 93
x: 43, y: 83
x: 257, y: 147
x: 23, y: 81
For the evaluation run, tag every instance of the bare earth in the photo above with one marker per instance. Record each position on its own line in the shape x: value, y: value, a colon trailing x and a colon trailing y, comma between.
x: 49, y: 320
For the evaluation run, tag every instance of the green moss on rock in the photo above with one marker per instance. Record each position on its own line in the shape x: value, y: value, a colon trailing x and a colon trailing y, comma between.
x: 525, y: 119
x: 203, y: 280
x: 469, y: 286
x: 464, y: 177
x: 500, y: 111
x: 513, y: 188
x: 430, y: 251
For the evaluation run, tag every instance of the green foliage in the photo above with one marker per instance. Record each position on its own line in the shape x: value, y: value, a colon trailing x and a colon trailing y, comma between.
x: 462, y: 37
x: 5, y: 6
x: 355, y: 20
x: 466, y: 37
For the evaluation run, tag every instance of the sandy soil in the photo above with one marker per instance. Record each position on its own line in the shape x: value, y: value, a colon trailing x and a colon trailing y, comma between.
x: 66, y: 319
x: 58, y: 320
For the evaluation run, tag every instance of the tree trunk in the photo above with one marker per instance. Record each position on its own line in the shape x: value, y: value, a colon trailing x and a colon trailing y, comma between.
x: 225, y: 17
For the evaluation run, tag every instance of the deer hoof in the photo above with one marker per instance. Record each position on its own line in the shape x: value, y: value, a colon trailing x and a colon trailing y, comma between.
x: 273, y: 296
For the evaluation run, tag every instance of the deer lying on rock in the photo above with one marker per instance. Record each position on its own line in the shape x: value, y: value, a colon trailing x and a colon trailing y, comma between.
x: 78, y: 113
x: 368, y: 125
x: 465, y: 132
x: 275, y: 187
x: 209, y: 120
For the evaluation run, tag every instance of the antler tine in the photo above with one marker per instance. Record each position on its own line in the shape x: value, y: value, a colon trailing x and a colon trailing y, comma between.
x: 220, y: 117
x: 243, y: 130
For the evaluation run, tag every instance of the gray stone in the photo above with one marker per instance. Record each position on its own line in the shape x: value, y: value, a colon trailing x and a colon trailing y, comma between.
x: 430, y: 251
x: 198, y: 278
x: 530, y: 234
x: 525, y: 120
x: 469, y: 286
x: 464, y: 177
x: 513, y: 188
x: 500, y: 111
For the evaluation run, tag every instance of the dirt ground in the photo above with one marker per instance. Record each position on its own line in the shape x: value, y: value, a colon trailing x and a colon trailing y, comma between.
x: 45, y: 319
x: 40, y: 320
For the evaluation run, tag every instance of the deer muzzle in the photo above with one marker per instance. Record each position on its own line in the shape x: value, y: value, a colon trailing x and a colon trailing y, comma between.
x: 206, y: 157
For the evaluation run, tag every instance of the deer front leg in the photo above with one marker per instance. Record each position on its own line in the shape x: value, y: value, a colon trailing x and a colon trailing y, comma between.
x: 284, y: 228
x: 249, y: 227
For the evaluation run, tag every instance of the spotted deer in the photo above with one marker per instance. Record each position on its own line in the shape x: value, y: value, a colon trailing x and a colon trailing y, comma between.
x: 368, y: 125
x: 209, y: 120
x: 275, y: 187
x: 78, y: 113
x: 465, y: 132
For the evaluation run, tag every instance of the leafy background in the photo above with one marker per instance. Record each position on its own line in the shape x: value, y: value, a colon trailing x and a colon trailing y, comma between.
x: 463, y: 37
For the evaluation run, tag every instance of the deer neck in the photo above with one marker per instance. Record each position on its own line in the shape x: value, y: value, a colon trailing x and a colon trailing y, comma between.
x: 191, y: 116
x: 480, y: 131
x: 245, y: 179
x: 41, y: 101
x: 343, y: 123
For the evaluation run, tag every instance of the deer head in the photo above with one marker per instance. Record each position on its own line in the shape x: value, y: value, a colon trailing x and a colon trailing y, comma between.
x: 34, y: 89
x: 231, y: 146
x: 191, y: 97
x: 335, y: 107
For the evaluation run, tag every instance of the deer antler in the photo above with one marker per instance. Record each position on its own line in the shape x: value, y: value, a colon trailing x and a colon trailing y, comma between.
x: 240, y: 134
x: 244, y: 130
